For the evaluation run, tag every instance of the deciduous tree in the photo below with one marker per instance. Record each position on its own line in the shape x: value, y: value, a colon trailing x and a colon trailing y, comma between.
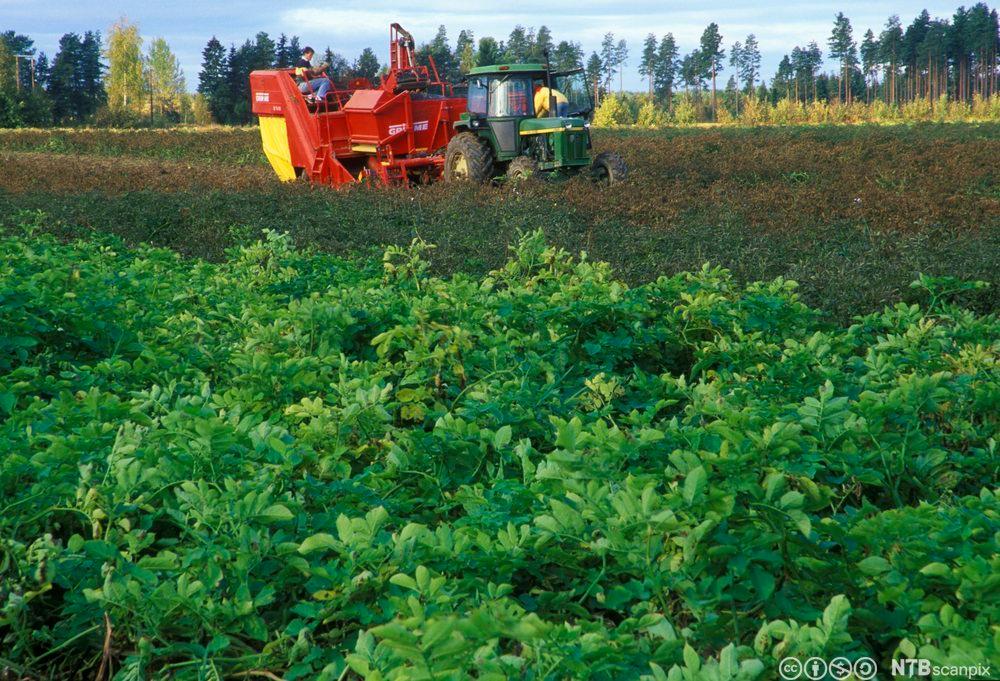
x: 165, y: 78
x: 125, y: 82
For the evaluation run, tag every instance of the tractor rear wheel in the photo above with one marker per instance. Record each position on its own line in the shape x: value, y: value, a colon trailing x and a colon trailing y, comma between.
x: 608, y: 168
x: 522, y: 168
x: 468, y: 159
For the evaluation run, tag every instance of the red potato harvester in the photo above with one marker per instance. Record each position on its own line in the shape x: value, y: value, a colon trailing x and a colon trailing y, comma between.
x: 395, y: 132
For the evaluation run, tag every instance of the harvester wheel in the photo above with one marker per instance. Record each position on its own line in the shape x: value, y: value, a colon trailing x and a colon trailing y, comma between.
x: 521, y: 168
x: 468, y: 159
x: 608, y: 168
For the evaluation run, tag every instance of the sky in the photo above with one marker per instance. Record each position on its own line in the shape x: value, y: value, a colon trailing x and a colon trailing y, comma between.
x: 348, y: 26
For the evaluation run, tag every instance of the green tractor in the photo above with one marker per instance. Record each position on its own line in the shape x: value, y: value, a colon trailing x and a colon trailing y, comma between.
x: 523, y: 120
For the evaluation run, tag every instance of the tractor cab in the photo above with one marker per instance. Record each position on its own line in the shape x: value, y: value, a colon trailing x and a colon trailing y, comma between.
x: 522, y: 119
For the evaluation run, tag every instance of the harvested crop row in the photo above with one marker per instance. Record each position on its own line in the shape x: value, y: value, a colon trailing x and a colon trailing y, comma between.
x: 882, y: 179
x: 239, y: 146
x: 72, y: 173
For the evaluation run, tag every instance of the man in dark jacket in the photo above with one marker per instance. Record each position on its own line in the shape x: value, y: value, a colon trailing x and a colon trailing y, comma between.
x: 312, y: 83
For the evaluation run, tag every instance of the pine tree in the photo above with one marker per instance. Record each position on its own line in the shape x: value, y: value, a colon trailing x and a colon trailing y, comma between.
x: 595, y: 72
x: 845, y: 51
x: 237, y: 72
x: 22, y: 45
x: 805, y: 62
x: 42, y: 71
x: 799, y: 65
x: 92, y: 73
x: 751, y: 62
x: 282, y: 59
x: 543, y: 44
x: 212, y: 79
x: 489, y: 52
x: 712, y: 55
x: 981, y: 42
x: 262, y: 55
x: 814, y: 61
x: 568, y: 55
x: 621, y: 60
x: 647, y: 66
x: 339, y: 69
x: 518, y: 48
x: 890, y: 44
x: 64, y: 80
x: 608, y: 64
x: 731, y: 96
x: 783, y: 79
x: 736, y: 58
x: 913, y: 38
x: 367, y: 65
x: 869, y: 62
x: 440, y: 51
x: 666, y: 68
x: 692, y: 72
x: 933, y: 55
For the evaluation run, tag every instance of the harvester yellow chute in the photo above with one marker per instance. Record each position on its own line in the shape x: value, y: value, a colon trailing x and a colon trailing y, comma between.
x: 274, y: 136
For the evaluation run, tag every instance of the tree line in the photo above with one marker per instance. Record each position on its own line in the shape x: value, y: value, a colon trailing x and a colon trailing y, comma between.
x: 110, y: 81
x: 119, y: 80
x: 928, y: 59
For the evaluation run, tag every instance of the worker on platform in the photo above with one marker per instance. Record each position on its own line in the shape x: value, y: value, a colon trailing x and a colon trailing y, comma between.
x: 542, y: 101
x: 312, y: 82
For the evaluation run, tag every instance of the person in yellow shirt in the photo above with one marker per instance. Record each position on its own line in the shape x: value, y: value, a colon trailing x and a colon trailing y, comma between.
x: 542, y: 102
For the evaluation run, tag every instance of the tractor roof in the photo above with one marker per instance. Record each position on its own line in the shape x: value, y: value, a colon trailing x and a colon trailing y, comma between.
x: 497, y: 69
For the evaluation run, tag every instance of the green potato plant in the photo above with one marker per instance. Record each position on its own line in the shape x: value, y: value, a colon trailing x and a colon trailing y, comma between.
x: 292, y: 465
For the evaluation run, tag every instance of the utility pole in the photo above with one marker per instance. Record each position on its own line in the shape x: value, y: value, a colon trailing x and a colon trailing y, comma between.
x: 17, y: 69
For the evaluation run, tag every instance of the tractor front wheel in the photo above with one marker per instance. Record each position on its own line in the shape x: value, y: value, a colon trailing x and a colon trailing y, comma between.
x: 608, y: 168
x: 468, y: 159
x: 521, y: 168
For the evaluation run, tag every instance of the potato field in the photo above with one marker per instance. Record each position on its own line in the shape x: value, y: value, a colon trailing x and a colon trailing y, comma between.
x: 741, y: 407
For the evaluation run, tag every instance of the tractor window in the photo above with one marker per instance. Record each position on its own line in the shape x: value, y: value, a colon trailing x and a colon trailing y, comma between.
x: 574, y: 85
x: 478, y: 95
x: 509, y: 97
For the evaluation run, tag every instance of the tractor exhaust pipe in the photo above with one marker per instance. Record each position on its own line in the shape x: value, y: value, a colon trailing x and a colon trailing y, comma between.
x: 548, y: 84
